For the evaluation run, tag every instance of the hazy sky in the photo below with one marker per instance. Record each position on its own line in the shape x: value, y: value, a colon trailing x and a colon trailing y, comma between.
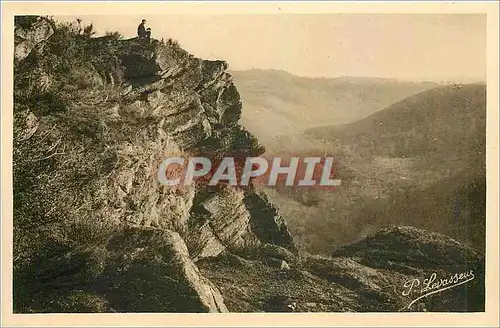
x: 404, y: 46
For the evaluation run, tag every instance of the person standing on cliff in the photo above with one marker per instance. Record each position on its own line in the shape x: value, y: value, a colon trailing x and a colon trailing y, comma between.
x: 142, y: 32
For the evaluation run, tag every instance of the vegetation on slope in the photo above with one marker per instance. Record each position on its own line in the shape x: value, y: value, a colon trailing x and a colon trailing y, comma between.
x: 419, y: 162
x: 291, y: 104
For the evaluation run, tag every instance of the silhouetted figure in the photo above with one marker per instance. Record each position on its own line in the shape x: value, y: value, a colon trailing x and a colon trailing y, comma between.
x: 142, y: 32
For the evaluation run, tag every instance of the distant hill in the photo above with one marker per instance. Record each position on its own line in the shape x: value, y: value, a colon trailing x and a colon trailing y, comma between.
x: 419, y: 162
x: 445, y: 119
x: 278, y: 103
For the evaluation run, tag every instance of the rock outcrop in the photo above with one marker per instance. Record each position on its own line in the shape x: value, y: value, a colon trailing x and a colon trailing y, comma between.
x: 396, y: 269
x: 107, y: 124
x: 150, y: 270
x: 196, y: 104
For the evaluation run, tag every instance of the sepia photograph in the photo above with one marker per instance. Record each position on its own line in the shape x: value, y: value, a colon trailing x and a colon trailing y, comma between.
x: 285, y: 162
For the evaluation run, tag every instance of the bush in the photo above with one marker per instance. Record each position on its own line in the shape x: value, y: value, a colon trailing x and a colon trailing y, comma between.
x: 25, y: 22
x: 113, y: 35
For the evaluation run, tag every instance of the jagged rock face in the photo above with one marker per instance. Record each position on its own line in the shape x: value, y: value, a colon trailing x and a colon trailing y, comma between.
x: 230, y: 219
x: 111, y: 132
x: 198, y: 105
x: 189, y: 106
x: 220, y: 222
x: 196, y: 97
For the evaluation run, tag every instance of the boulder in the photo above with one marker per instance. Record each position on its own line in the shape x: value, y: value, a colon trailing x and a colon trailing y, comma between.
x: 270, y: 250
x: 277, y: 263
x: 153, y: 272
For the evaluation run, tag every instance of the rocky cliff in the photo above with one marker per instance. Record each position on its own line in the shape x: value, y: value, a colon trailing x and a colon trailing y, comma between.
x: 95, y: 232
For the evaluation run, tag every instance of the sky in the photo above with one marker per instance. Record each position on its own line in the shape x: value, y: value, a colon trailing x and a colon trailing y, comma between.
x: 415, y: 47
